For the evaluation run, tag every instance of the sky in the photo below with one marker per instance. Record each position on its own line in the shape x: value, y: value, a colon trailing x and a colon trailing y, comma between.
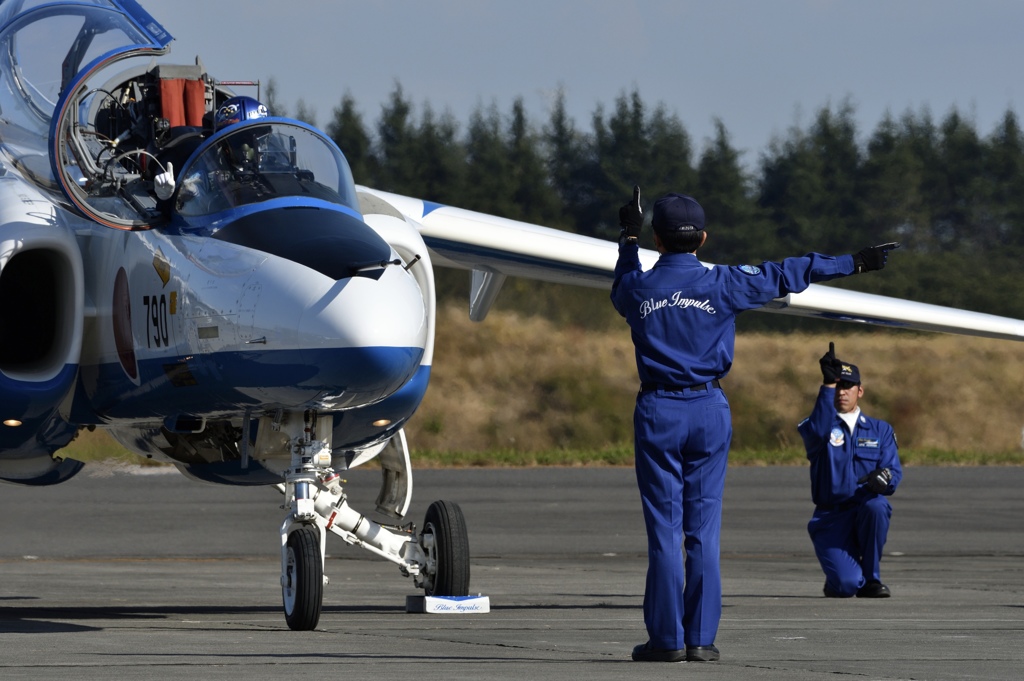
x: 760, y: 66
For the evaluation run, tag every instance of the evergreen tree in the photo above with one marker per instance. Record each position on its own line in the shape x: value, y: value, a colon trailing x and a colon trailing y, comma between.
x: 305, y: 113
x: 737, y: 232
x: 669, y: 152
x: 533, y: 195
x: 1004, y: 164
x: 632, y: 148
x: 920, y: 137
x: 395, y: 154
x: 809, y: 185
x: 489, y: 167
x: 566, y: 154
x: 349, y: 133
x: 959, y: 199
x: 618, y: 162
x: 440, y: 159
x: 893, y: 185
x: 274, y: 106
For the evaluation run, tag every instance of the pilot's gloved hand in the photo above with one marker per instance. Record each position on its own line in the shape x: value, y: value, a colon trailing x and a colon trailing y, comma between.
x: 873, y: 257
x: 877, y: 481
x: 631, y: 216
x: 163, y: 184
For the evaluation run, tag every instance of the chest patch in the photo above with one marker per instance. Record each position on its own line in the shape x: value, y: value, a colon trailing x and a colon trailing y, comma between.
x: 867, y: 442
x: 837, y: 437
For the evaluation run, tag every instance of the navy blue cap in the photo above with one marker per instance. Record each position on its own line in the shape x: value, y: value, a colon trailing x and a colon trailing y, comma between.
x: 849, y: 373
x: 677, y: 213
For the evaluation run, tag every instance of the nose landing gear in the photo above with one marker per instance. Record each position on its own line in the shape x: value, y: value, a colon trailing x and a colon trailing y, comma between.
x: 437, y: 558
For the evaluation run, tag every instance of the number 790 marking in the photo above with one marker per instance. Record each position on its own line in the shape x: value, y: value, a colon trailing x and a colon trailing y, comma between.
x: 156, y: 321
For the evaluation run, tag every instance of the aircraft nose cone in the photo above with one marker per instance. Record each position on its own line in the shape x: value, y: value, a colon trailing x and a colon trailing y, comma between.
x: 370, y: 332
x: 334, y: 322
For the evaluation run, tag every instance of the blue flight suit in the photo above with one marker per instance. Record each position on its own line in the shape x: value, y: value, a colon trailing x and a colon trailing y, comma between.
x: 850, y: 524
x: 682, y: 317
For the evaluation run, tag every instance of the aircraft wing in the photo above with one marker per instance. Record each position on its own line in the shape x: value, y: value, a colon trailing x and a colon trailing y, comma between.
x: 494, y: 248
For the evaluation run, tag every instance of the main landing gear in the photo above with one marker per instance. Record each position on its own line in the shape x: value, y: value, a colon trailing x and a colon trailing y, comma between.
x: 437, y: 558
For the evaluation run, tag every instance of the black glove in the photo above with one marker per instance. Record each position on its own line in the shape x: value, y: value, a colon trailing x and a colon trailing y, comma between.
x: 877, y: 481
x: 830, y: 366
x: 631, y: 216
x: 873, y: 257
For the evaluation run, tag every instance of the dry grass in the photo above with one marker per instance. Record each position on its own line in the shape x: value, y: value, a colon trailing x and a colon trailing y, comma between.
x: 938, y: 391
x: 525, y: 384
x: 522, y: 383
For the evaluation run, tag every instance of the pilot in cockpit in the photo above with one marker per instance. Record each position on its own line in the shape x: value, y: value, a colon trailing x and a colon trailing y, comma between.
x: 235, y: 154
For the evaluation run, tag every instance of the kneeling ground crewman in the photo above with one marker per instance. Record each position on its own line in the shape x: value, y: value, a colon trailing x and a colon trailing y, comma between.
x: 855, y: 465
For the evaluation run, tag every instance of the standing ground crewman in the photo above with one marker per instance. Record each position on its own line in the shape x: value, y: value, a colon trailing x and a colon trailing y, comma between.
x: 682, y: 317
x: 855, y: 465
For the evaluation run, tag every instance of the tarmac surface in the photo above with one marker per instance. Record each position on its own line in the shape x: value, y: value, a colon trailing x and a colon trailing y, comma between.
x: 153, y: 576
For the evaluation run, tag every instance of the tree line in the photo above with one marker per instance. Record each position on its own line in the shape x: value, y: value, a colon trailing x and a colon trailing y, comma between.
x: 953, y: 197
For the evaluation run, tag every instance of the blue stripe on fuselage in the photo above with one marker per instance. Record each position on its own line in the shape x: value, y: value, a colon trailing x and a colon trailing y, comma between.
x: 354, y: 427
x: 228, y: 382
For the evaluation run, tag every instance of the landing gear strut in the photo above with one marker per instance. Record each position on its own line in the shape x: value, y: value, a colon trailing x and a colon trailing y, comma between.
x: 437, y: 558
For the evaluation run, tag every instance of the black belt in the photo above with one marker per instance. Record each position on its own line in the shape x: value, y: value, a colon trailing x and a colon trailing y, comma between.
x: 844, y: 506
x: 698, y: 388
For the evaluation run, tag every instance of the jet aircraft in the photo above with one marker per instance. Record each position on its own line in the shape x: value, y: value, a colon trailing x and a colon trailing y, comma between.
x: 267, y: 323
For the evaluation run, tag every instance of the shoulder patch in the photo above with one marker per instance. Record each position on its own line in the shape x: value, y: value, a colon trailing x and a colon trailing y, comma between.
x: 750, y: 269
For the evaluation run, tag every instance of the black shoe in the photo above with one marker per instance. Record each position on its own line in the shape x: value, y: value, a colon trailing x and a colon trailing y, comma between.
x: 874, y: 590
x: 646, y: 653
x: 702, y: 654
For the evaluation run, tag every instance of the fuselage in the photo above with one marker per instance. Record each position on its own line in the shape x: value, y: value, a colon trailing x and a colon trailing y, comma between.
x: 195, y: 325
x: 181, y: 327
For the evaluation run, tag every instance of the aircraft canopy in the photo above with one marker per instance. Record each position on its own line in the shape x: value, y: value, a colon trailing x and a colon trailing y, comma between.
x: 263, y: 159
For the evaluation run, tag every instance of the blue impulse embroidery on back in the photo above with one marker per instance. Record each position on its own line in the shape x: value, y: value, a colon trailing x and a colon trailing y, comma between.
x: 675, y: 300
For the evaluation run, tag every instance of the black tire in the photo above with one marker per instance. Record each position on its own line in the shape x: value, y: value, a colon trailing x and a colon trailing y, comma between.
x: 303, y: 587
x: 450, y: 551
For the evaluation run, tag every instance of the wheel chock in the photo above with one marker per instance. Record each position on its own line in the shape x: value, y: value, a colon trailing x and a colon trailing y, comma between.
x: 454, y: 605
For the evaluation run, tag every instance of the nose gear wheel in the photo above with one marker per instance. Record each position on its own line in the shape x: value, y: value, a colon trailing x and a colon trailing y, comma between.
x: 302, y: 585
